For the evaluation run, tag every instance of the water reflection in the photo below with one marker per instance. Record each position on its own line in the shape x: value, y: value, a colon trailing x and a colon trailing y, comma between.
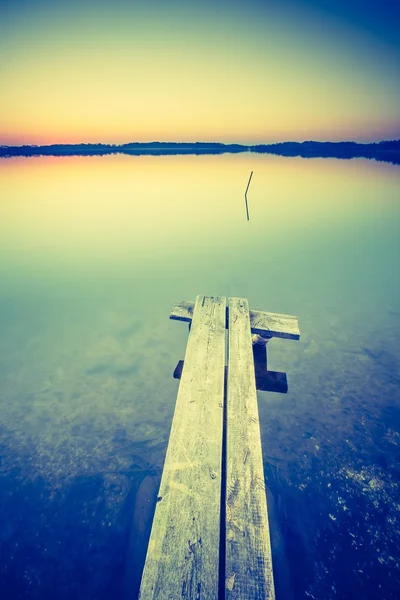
x: 94, y: 252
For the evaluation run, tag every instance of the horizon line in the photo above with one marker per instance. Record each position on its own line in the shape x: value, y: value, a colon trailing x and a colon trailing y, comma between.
x: 384, y: 150
x: 348, y: 141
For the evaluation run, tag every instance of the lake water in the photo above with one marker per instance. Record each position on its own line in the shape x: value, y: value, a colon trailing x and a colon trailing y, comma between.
x: 94, y: 251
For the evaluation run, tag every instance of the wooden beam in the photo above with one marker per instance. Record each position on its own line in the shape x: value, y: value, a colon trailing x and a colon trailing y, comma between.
x: 262, y: 323
x: 183, y: 553
x: 248, y: 572
x: 274, y: 325
x: 266, y: 381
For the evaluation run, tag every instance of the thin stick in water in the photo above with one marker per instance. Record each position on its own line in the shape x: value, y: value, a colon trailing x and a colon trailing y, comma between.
x: 245, y: 196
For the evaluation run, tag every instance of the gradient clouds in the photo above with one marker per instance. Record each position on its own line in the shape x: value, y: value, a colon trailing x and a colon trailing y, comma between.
x: 209, y: 71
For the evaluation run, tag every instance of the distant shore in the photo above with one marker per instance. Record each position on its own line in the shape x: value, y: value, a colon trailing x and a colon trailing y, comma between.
x: 388, y: 151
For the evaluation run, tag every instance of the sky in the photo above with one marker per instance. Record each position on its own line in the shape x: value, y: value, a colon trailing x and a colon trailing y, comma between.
x: 175, y: 70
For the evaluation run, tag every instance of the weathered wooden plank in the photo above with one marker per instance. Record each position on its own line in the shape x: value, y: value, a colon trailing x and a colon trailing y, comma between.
x: 274, y: 325
x: 248, y: 551
x: 183, y: 555
x: 182, y: 311
x: 263, y: 323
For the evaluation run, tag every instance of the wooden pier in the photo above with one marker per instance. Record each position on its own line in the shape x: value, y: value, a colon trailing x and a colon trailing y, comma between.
x: 210, y: 534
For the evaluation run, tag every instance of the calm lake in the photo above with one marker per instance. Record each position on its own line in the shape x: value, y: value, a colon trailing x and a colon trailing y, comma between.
x: 94, y: 251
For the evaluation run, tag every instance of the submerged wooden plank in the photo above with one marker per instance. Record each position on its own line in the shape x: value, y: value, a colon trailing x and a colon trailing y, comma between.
x: 248, y: 551
x: 183, y: 554
x: 262, y: 323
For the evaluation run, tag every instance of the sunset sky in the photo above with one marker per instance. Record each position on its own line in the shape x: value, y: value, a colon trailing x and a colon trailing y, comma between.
x: 177, y: 70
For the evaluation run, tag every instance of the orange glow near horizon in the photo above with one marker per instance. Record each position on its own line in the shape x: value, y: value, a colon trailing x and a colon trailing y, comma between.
x: 132, y: 73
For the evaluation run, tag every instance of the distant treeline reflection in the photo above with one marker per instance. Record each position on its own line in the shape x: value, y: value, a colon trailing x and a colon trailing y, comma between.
x: 388, y: 151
